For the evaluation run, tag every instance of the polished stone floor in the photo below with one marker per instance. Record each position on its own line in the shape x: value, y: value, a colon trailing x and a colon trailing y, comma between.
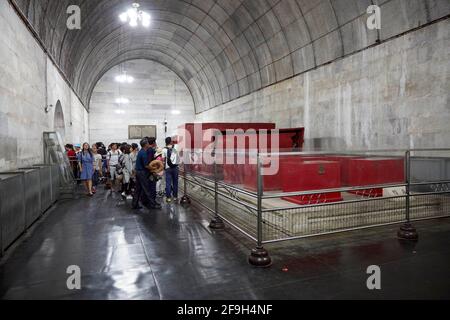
x: 171, y: 254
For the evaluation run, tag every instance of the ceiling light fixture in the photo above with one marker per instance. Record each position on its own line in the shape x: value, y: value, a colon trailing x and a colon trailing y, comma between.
x: 124, y: 78
x: 122, y: 100
x: 176, y: 112
x: 133, y: 16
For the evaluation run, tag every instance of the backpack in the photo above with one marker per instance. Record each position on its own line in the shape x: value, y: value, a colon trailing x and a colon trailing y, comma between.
x: 169, y: 158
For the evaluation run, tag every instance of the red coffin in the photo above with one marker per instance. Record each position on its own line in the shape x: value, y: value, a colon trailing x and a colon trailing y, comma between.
x: 311, y: 175
x: 288, y: 140
x: 346, y: 167
x: 189, y: 127
x: 372, y: 171
x: 344, y: 162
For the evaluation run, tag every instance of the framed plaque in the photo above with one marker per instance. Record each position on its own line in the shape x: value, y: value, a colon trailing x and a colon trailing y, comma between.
x: 139, y: 132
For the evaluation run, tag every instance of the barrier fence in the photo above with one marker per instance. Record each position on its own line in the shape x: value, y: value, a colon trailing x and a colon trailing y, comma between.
x: 317, y: 193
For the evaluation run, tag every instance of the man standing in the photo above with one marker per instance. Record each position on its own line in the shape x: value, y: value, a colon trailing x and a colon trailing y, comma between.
x: 152, y: 182
x: 145, y: 190
x: 171, y: 161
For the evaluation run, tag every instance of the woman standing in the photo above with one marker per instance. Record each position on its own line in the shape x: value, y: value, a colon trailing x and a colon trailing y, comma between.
x: 97, y: 168
x: 86, y: 165
x: 127, y: 164
x: 133, y: 155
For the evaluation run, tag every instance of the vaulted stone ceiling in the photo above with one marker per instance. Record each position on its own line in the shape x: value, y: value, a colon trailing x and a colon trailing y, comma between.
x: 222, y: 49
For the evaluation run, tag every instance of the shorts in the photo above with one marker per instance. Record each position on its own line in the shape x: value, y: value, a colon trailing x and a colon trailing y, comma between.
x: 112, y: 172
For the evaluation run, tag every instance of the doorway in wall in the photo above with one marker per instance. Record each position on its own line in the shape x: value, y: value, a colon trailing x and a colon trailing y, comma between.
x: 59, y: 125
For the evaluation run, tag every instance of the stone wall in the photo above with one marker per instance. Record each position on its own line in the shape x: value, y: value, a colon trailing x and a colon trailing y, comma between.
x: 394, y: 95
x: 24, y: 68
x: 155, y: 93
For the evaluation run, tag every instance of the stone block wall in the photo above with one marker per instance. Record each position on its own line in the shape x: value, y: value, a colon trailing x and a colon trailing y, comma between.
x: 24, y: 68
x: 394, y: 95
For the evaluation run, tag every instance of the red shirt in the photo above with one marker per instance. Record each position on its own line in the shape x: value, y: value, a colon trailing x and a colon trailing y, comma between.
x: 71, y: 154
x: 72, y: 157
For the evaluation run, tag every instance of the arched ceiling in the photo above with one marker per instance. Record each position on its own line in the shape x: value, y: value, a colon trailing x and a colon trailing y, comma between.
x: 222, y: 49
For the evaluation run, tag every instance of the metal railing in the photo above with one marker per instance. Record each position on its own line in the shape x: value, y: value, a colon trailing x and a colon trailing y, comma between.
x: 267, y: 216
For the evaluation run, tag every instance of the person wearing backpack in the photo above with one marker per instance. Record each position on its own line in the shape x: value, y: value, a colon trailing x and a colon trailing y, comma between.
x: 171, y: 161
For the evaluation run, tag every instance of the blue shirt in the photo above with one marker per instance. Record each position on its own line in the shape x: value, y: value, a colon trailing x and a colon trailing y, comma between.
x: 85, y: 158
x: 151, y: 154
x: 142, y: 160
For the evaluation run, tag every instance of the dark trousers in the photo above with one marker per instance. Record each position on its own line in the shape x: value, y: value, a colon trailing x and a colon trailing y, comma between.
x: 172, y: 182
x: 76, y: 173
x: 145, y: 190
x: 95, y: 178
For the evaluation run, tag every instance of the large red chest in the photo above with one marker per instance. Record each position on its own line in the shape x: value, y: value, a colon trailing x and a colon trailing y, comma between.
x: 373, y: 171
x: 311, y: 175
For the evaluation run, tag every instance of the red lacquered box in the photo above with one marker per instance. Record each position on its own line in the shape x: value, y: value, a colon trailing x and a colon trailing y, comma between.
x: 270, y: 182
x: 308, y: 176
x: 372, y: 171
x: 346, y: 166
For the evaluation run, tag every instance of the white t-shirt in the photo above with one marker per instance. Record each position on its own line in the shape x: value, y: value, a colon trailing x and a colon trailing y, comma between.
x: 173, y: 156
x: 113, y: 157
x: 98, y: 162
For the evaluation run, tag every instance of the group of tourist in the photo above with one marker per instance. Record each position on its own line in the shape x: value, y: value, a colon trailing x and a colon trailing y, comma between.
x: 136, y: 173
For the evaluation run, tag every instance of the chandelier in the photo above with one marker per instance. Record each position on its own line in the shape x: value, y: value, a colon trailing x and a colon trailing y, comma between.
x: 134, y: 16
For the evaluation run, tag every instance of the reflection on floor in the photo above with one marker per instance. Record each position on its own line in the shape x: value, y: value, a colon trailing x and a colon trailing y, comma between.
x: 171, y: 254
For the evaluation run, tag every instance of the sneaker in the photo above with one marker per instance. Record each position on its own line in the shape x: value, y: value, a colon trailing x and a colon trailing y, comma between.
x: 169, y: 200
x: 129, y: 197
x: 124, y: 194
x: 175, y: 199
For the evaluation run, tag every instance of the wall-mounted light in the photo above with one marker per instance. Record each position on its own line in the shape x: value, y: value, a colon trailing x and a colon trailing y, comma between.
x: 133, y: 16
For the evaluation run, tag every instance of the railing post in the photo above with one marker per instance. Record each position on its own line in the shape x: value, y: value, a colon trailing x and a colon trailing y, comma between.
x: 407, y: 231
x: 216, y: 222
x: 185, y: 200
x: 259, y: 257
